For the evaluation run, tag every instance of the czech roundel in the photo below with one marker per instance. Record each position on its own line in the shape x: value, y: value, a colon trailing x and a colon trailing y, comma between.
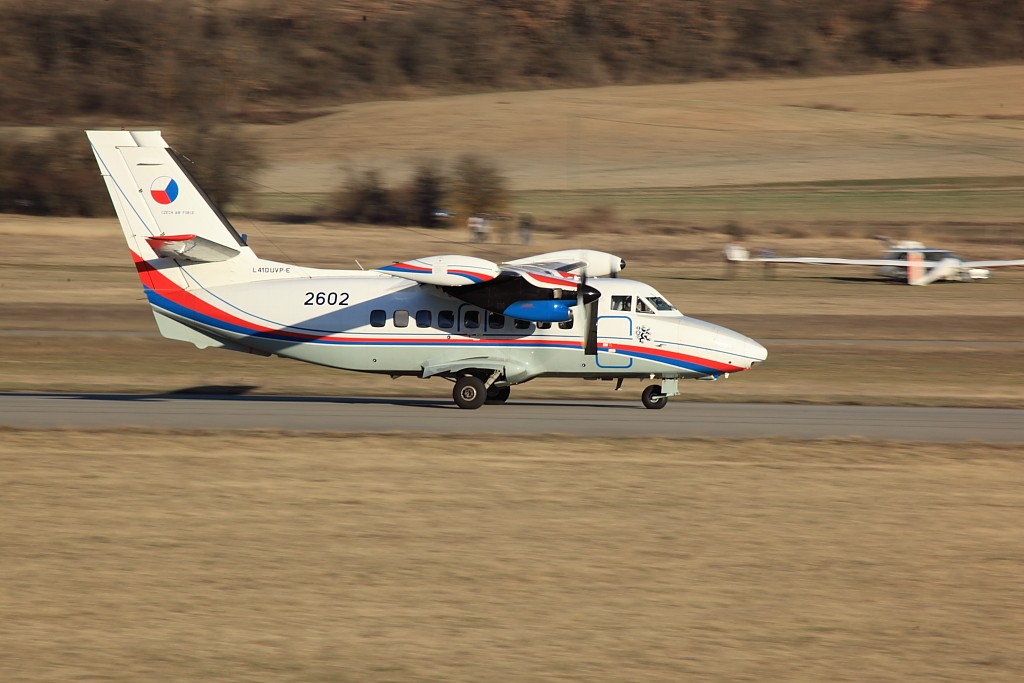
x: 164, y: 190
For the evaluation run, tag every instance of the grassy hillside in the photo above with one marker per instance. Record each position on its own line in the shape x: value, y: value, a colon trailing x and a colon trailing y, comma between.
x: 944, y: 145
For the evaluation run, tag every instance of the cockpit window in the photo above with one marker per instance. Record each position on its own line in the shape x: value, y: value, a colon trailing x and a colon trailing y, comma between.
x: 937, y: 255
x: 659, y: 303
x: 642, y: 307
x: 622, y: 303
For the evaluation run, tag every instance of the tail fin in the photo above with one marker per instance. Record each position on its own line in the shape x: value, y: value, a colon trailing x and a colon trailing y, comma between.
x: 167, y: 219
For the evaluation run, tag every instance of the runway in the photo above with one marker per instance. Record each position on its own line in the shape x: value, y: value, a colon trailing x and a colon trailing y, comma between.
x: 591, y: 418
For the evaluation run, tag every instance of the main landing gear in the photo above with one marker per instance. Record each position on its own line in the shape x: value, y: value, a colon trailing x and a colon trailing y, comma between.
x: 471, y: 392
x: 497, y: 395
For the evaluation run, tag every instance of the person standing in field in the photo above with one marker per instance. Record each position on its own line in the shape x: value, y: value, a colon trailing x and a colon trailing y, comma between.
x: 525, y: 227
x: 475, y: 223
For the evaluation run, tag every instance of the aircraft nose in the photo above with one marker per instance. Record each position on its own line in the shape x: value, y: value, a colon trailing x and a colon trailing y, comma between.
x: 748, y: 352
x: 756, y: 351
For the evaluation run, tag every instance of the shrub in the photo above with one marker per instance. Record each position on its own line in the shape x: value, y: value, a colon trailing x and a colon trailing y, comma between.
x: 222, y: 160
x: 365, y: 199
x: 56, y: 176
x: 478, y: 185
x: 426, y: 195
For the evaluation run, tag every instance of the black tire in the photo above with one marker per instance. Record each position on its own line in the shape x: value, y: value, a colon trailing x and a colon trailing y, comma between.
x: 653, y: 399
x: 498, y: 395
x: 469, y: 392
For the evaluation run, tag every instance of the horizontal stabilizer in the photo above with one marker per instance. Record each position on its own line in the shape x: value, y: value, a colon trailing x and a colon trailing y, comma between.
x: 190, y: 248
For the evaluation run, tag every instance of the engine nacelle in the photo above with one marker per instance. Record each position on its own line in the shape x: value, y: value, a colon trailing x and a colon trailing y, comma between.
x: 594, y: 263
x: 551, y: 311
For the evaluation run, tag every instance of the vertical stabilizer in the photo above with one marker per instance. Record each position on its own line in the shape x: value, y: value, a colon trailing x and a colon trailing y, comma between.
x: 156, y: 199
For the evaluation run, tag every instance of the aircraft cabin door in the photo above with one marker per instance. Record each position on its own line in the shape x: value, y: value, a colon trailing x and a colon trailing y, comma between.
x: 613, y: 329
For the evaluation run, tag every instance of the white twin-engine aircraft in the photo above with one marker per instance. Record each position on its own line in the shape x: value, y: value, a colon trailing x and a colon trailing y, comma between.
x: 913, y: 263
x: 482, y: 325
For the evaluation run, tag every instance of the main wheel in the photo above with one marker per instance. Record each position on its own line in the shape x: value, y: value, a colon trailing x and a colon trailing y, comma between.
x: 653, y: 398
x: 469, y: 392
x: 496, y: 395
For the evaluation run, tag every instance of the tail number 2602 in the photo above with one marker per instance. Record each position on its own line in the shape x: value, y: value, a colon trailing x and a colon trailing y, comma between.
x: 326, y: 299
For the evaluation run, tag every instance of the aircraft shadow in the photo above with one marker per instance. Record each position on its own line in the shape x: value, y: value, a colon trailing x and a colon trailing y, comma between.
x: 239, y: 393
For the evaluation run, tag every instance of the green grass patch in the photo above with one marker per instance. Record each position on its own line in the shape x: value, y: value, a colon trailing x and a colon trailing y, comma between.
x: 915, y: 199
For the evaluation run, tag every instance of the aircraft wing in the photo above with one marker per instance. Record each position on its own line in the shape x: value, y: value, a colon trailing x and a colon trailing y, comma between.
x: 837, y: 261
x: 993, y: 264
x: 919, y: 272
x: 444, y: 271
x: 527, y: 289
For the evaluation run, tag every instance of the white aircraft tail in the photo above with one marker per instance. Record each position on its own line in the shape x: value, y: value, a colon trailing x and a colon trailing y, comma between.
x: 181, y: 243
x: 167, y: 219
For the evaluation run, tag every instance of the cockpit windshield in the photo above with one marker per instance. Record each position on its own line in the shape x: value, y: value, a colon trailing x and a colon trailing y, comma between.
x: 660, y: 304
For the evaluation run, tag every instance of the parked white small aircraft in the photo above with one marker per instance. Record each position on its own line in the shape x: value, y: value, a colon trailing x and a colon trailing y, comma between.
x: 482, y: 325
x: 912, y: 263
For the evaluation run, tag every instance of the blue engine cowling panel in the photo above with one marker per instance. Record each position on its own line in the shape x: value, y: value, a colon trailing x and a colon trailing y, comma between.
x: 550, y: 311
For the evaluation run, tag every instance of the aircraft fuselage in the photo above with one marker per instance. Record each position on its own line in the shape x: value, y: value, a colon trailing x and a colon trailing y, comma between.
x: 383, y: 324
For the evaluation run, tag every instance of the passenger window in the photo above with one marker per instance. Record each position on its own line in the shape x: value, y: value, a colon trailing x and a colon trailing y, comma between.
x: 378, y: 318
x: 521, y: 324
x: 446, y: 320
x: 495, y: 321
x: 543, y: 326
x: 642, y: 307
x: 423, y: 318
x: 401, y: 318
x: 565, y: 324
x: 622, y: 303
x: 471, y: 320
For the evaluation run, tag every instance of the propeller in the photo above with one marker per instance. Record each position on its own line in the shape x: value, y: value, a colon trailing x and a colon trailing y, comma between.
x: 586, y: 303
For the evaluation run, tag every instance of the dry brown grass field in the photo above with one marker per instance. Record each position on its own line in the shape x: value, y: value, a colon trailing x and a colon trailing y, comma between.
x: 263, y: 556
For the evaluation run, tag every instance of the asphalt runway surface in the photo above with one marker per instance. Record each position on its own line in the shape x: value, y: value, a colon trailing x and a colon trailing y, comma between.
x: 571, y: 417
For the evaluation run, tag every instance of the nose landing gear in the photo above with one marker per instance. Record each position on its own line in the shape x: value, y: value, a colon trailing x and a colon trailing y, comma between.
x: 653, y: 398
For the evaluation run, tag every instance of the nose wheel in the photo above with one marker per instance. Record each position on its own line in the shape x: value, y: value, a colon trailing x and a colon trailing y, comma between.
x: 653, y: 399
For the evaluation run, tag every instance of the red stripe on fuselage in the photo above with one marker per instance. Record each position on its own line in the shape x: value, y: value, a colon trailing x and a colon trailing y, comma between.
x: 686, y: 358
